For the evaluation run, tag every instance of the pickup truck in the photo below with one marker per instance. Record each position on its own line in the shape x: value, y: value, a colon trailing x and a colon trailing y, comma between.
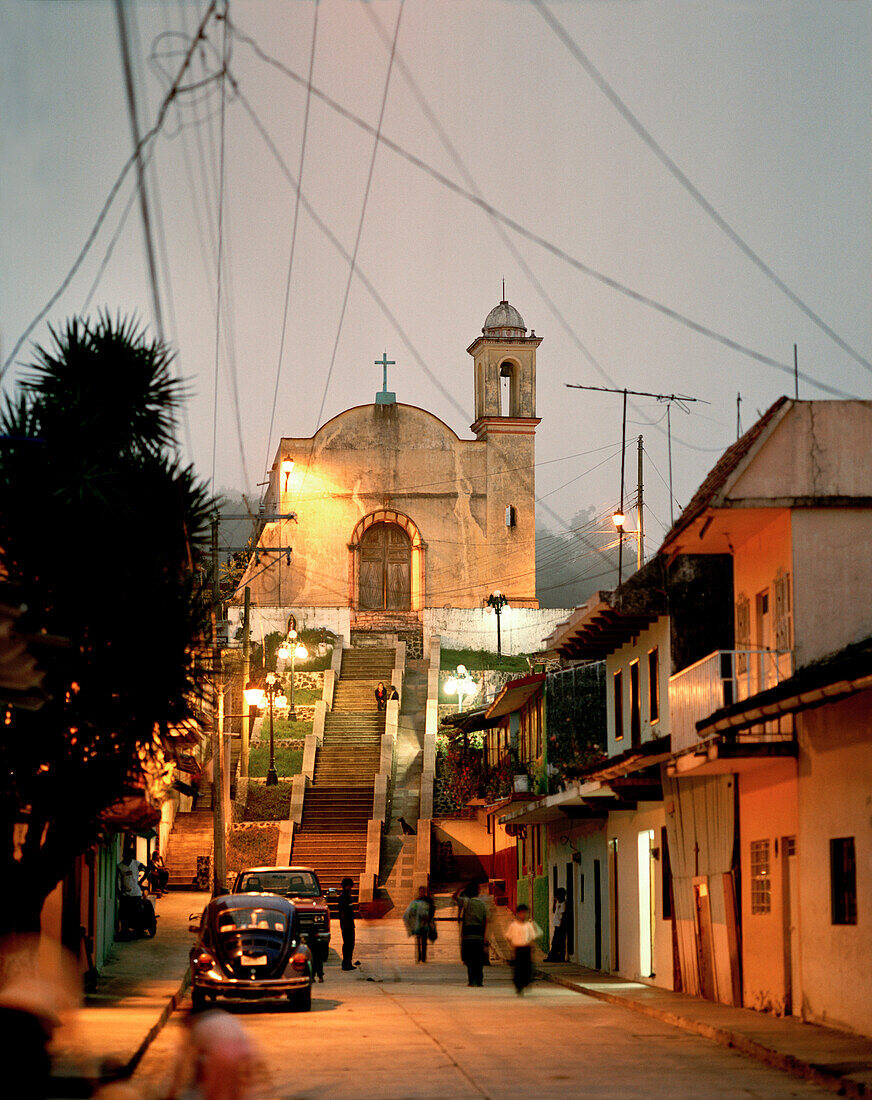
x: 299, y: 885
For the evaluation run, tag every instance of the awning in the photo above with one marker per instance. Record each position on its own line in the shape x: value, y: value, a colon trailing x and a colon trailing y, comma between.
x: 515, y: 694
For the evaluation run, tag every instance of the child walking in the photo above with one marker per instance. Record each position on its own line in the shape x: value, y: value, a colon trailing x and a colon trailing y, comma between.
x: 521, y: 934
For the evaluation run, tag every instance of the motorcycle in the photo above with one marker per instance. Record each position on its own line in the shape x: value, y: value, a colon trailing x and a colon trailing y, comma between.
x: 136, y: 917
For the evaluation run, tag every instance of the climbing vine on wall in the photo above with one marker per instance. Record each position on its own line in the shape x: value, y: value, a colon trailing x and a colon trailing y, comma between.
x: 575, y: 708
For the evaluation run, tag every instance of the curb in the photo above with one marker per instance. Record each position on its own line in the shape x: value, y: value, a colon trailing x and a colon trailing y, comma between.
x: 797, y: 1067
x: 156, y: 1028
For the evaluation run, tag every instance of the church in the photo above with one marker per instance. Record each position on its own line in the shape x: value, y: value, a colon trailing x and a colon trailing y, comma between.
x: 402, y: 525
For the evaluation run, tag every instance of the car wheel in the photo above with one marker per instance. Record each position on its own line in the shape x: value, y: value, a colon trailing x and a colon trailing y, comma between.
x: 302, y: 1002
x: 198, y: 1000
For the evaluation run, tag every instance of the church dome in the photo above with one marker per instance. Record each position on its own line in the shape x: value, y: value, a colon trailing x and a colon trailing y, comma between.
x: 504, y: 320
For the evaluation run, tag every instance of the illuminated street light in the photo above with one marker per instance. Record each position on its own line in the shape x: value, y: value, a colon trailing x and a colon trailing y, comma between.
x: 287, y: 470
x: 619, y: 519
x: 498, y: 601
x: 462, y: 685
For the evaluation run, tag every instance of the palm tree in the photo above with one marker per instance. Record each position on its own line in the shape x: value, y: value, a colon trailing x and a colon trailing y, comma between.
x: 101, y: 538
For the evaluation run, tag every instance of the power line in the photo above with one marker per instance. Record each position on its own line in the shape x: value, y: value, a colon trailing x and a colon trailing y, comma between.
x: 691, y: 189
x: 113, y: 191
x: 140, y: 168
x: 523, y: 231
x: 272, y: 415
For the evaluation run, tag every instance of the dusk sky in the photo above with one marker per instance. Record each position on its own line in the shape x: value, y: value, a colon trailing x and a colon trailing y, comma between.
x: 764, y: 106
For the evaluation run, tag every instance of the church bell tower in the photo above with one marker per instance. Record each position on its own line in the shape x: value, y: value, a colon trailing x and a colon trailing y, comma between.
x: 504, y: 358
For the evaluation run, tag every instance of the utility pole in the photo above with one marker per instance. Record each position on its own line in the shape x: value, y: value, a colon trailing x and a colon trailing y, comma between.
x: 621, y: 505
x: 246, y: 676
x: 220, y: 744
x: 681, y: 399
x: 640, y: 521
x: 219, y: 824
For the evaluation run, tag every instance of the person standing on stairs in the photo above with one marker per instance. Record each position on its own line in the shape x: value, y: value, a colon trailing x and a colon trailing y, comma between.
x: 346, y: 923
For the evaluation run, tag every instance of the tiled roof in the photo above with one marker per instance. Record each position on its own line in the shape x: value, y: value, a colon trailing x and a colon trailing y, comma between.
x: 721, y: 471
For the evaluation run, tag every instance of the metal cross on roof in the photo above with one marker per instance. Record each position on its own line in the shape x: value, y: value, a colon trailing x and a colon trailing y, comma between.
x: 384, y: 397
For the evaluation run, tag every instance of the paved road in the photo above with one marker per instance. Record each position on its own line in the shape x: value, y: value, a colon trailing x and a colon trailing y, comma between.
x: 419, y: 1031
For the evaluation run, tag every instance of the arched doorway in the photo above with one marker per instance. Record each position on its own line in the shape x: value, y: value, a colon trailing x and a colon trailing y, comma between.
x: 385, y: 568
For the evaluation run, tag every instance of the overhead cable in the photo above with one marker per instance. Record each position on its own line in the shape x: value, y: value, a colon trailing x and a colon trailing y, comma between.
x: 691, y: 189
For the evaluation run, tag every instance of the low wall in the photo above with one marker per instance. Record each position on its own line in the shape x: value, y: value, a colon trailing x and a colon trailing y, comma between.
x: 522, y: 629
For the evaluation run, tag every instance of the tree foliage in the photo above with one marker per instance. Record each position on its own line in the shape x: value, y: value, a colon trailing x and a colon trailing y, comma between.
x: 101, y: 537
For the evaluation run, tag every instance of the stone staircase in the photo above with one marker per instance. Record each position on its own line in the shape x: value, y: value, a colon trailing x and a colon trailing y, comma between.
x: 332, y: 834
x: 193, y: 831
x: 192, y: 836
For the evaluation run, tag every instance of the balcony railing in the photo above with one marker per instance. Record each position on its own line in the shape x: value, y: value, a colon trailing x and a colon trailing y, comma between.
x: 719, y: 680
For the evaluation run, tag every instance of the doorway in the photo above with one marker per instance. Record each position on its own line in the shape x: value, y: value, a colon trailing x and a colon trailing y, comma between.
x: 793, y: 995
x: 614, y: 941
x: 385, y: 569
x: 597, y: 916
x: 569, y: 917
x: 646, y: 903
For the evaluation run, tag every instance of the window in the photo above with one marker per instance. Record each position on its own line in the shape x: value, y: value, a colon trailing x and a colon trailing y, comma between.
x: 635, y: 706
x: 761, y: 883
x: 843, y: 880
x: 653, y: 685
x: 782, y: 610
x: 743, y: 633
x: 618, y: 686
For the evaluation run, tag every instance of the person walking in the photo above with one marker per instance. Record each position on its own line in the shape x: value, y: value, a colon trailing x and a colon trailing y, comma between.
x: 419, y: 920
x: 381, y: 696
x: 346, y: 923
x: 557, y: 952
x: 522, y: 933
x: 473, y: 928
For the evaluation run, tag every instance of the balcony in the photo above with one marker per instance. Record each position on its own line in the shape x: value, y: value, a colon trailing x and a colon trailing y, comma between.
x: 719, y: 680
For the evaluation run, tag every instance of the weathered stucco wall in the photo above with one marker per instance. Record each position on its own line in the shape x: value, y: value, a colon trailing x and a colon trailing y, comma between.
x: 401, y: 458
x: 767, y: 811
x: 655, y: 637
x: 832, y: 553
x: 835, y: 781
x: 819, y: 448
x: 522, y: 629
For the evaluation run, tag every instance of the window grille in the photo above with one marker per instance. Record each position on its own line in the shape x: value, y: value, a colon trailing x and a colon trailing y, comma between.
x: 761, y: 882
x: 843, y: 880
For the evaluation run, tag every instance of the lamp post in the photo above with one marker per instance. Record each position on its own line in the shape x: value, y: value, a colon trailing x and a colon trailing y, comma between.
x: 498, y: 601
x: 462, y: 685
x: 254, y: 696
x: 296, y: 652
x: 619, y: 519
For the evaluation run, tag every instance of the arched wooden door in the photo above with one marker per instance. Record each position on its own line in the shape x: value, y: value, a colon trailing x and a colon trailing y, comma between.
x: 385, y: 569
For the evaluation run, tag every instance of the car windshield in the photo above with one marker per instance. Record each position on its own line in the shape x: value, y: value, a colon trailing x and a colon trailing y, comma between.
x: 295, y: 884
x: 239, y: 920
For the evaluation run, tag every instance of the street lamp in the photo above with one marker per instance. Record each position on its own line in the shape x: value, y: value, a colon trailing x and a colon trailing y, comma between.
x: 462, y: 685
x: 254, y: 696
x: 498, y: 601
x: 295, y: 652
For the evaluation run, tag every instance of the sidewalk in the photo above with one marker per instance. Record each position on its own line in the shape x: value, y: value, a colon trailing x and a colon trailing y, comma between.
x: 139, y: 986
x: 833, y: 1059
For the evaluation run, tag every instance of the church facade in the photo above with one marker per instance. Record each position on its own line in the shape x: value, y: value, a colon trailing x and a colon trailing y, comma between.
x: 397, y: 515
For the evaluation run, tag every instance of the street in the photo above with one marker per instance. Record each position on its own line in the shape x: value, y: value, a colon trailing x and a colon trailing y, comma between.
x: 397, y: 1029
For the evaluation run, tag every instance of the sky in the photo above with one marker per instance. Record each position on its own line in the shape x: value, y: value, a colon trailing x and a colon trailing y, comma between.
x: 553, y: 115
